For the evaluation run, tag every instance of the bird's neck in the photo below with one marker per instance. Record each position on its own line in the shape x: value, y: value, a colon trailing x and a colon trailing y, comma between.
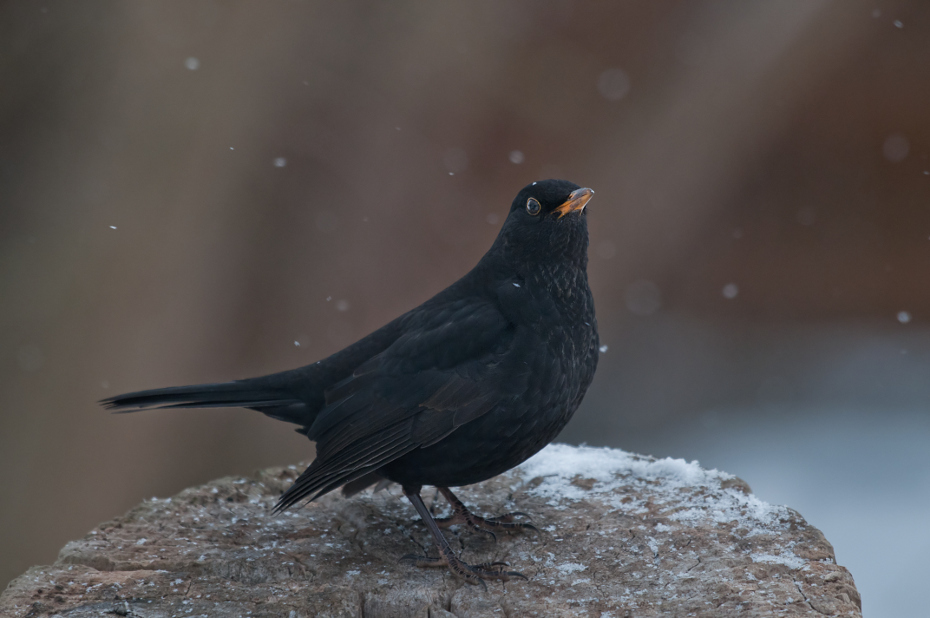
x: 564, y: 281
x: 564, y: 252
x: 556, y: 269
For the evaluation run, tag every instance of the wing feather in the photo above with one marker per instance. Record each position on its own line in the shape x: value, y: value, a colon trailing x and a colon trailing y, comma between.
x: 432, y: 379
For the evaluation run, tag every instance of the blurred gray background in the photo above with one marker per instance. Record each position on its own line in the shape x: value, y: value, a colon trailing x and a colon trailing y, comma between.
x: 202, y: 190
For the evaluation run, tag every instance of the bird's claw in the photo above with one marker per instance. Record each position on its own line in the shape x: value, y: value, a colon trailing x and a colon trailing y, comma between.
x: 508, y: 517
x: 471, y: 573
x: 466, y: 518
x: 506, y: 523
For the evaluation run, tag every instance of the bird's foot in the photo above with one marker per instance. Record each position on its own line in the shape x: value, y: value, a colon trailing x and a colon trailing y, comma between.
x: 487, y: 525
x: 506, y: 522
x: 471, y: 573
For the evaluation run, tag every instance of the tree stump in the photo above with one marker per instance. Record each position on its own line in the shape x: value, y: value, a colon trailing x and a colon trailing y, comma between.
x: 619, y: 535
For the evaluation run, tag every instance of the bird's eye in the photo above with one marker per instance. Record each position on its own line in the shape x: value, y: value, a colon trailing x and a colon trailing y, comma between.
x: 533, y: 207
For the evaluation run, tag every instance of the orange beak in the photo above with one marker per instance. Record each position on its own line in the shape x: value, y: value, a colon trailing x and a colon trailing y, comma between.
x: 575, y: 202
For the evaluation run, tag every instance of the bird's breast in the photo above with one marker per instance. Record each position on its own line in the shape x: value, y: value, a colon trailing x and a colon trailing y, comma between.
x: 565, y: 327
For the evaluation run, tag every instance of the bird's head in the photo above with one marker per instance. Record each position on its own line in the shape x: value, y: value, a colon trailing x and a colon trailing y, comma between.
x: 547, y: 224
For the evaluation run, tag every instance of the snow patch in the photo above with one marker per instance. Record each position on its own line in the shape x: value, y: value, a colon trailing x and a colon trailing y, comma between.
x: 563, y: 474
x: 571, y: 567
x: 788, y: 559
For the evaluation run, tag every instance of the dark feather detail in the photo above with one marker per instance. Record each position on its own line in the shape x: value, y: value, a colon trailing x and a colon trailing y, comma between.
x: 364, y: 482
x: 363, y: 457
x: 276, y: 403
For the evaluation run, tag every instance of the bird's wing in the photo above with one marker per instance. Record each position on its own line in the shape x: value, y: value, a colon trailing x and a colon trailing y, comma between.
x: 447, y: 369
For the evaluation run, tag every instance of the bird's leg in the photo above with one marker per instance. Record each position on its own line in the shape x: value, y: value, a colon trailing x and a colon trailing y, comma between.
x: 433, y: 505
x: 471, y: 573
x: 461, y: 515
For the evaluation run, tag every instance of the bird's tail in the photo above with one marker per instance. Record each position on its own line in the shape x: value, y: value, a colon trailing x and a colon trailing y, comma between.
x: 254, y: 393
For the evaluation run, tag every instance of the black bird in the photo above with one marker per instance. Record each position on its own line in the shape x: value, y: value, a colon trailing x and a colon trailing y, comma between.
x: 464, y: 387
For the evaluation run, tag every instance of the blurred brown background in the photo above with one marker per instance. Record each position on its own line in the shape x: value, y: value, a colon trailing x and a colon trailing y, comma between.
x: 202, y: 190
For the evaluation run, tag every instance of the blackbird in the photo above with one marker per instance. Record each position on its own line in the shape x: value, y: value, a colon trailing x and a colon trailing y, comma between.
x: 464, y: 387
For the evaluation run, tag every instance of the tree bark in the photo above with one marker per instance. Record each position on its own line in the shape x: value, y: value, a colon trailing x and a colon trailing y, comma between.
x: 620, y: 535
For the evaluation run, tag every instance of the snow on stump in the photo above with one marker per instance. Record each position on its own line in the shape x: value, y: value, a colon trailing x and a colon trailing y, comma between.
x: 620, y: 535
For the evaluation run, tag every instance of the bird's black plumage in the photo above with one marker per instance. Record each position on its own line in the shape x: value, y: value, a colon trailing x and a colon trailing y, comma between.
x: 467, y: 385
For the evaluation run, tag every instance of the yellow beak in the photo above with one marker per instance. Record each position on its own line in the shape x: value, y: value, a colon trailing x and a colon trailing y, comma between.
x: 575, y: 202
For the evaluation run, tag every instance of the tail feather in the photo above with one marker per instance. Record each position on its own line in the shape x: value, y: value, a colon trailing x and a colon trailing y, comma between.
x: 274, y: 402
